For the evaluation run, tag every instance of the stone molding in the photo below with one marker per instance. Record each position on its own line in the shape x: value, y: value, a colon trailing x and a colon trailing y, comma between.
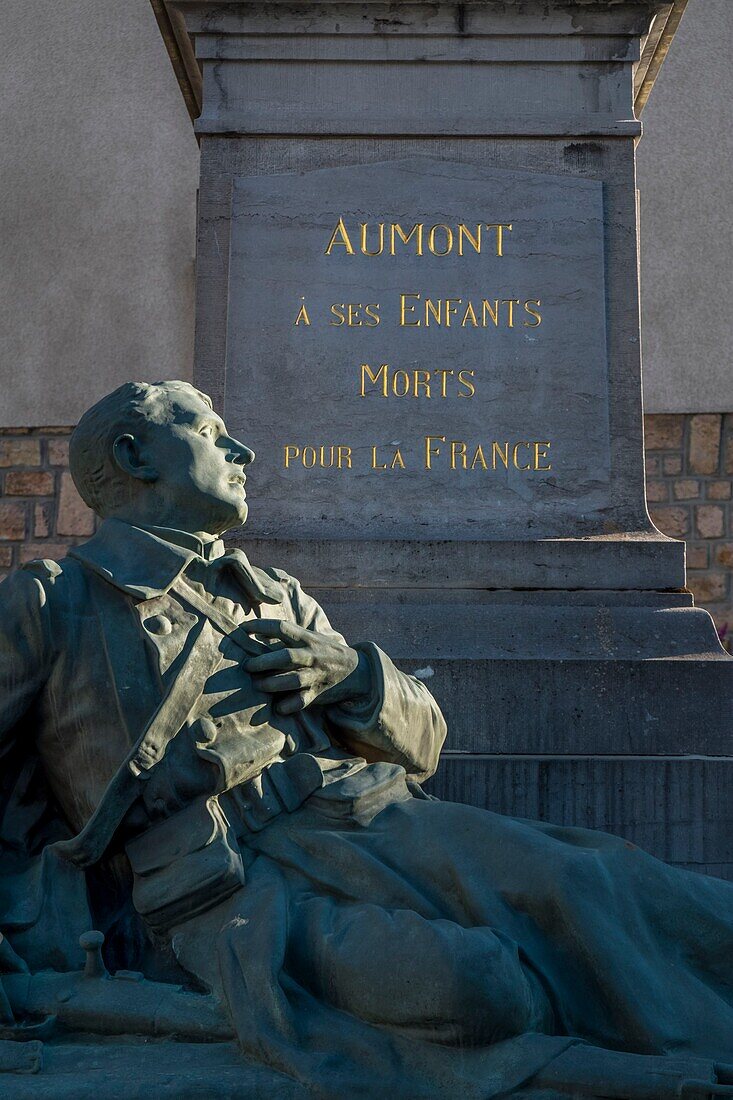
x: 187, y: 61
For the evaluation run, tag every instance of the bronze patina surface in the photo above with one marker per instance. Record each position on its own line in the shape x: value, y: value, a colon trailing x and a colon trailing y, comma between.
x: 198, y: 767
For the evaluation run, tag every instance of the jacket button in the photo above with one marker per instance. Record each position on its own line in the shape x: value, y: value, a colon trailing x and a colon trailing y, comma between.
x: 158, y: 624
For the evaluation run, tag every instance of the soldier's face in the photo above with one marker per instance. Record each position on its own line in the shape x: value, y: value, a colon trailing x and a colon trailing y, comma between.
x: 200, y: 468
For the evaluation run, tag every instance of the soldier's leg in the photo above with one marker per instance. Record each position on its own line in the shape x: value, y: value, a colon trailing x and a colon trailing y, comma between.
x: 429, y: 978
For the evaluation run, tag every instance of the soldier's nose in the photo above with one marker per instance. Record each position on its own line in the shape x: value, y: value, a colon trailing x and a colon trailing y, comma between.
x: 242, y: 456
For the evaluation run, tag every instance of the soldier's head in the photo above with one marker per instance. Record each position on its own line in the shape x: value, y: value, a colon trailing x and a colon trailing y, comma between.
x: 157, y: 453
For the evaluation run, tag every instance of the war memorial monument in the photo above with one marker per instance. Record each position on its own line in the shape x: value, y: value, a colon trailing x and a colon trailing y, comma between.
x: 366, y: 747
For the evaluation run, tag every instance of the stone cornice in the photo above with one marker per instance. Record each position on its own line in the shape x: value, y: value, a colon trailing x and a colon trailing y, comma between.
x: 206, y: 13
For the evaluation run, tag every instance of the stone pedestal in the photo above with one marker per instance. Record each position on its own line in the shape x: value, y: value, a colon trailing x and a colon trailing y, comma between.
x: 526, y: 583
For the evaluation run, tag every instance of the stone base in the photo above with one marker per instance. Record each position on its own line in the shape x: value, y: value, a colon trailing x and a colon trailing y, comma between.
x: 607, y: 710
x: 80, y: 1067
x: 134, y: 1068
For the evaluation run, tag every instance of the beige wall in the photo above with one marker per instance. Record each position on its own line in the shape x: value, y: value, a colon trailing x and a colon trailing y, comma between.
x: 98, y: 176
x: 685, y: 174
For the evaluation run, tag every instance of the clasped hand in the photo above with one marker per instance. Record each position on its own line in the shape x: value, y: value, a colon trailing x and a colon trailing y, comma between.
x: 307, y: 667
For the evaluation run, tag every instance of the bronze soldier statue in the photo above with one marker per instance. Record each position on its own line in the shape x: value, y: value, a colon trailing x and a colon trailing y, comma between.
x: 197, y: 764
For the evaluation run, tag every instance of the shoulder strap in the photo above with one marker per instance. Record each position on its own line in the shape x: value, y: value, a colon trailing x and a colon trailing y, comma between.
x: 223, y: 622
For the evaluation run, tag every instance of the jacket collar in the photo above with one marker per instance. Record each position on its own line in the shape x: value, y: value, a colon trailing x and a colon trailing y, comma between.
x: 143, y: 563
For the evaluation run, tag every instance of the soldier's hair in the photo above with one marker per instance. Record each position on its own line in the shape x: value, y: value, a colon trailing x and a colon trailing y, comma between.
x: 128, y: 409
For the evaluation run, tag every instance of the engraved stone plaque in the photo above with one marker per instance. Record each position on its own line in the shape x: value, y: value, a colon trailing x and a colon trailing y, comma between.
x: 417, y: 350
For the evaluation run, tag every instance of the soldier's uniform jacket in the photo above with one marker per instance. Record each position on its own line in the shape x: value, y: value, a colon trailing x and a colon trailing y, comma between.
x: 92, y: 646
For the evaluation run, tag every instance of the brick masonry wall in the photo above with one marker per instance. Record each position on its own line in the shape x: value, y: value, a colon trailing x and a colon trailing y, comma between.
x: 689, y: 488
x: 689, y: 480
x: 41, y: 513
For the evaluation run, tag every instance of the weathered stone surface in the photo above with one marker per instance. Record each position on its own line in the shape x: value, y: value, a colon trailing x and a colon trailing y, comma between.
x: 42, y: 520
x: 525, y: 379
x: 709, y: 588
x: 672, y: 521
x: 704, y: 443
x: 6, y: 556
x: 22, y: 451
x: 242, y: 141
x: 724, y: 554
x: 709, y: 521
x: 686, y: 489
x: 58, y: 452
x: 110, y: 1067
x: 729, y: 455
x: 74, y: 518
x: 719, y: 490
x: 657, y: 491
x: 26, y: 483
x: 697, y: 555
x: 30, y: 551
x: 12, y: 520
x: 671, y: 464
x: 664, y: 431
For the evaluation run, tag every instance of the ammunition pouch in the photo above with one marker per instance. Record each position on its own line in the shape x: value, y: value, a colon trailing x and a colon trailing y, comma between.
x: 185, y: 865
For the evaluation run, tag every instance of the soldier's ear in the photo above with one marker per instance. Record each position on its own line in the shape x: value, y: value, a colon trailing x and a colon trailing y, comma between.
x: 128, y: 455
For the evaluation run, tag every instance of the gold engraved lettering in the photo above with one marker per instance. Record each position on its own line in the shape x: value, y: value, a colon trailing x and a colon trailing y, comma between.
x: 448, y: 239
x: 395, y: 227
x: 450, y: 309
x: 479, y: 457
x: 441, y: 238
x: 340, y: 236
x: 528, y: 306
x: 415, y: 382
x: 404, y: 306
x: 302, y: 315
x: 364, y: 227
x: 493, y: 311
x: 464, y: 379
x: 445, y: 374
x: 366, y: 372
x: 540, y: 453
x: 397, y: 462
x: 500, y: 227
x: 469, y: 314
x: 421, y: 379
x: 515, y: 460
x: 350, y: 314
x: 431, y: 307
x: 457, y: 452
x: 326, y: 456
x: 475, y: 241
x: 400, y: 383
x: 430, y: 450
x: 503, y: 456
x: 510, y: 303
x: 375, y: 464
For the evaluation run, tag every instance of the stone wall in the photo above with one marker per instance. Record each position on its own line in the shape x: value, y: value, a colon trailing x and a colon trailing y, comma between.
x: 689, y: 489
x: 689, y: 468
x: 41, y: 513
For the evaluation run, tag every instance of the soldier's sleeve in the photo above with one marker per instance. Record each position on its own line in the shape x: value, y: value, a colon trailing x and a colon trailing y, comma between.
x: 26, y: 643
x: 400, y: 721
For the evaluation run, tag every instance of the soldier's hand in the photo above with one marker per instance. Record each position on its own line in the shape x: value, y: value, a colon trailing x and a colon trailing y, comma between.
x: 306, y: 667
